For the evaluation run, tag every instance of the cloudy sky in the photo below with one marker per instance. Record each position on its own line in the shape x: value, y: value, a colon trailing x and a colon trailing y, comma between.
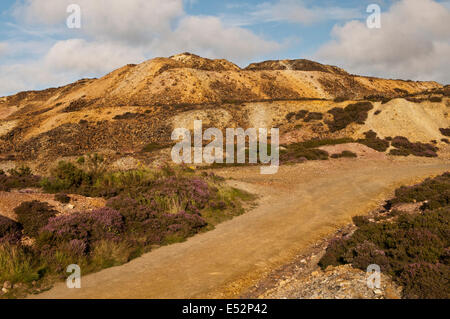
x: 38, y: 50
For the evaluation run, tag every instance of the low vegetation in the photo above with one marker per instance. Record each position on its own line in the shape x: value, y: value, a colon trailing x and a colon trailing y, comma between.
x: 445, y: 131
x: 313, y: 116
x: 404, y: 147
x: 308, y: 150
x: 373, y: 141
x: 412, y: 247
x: 33, y: 216
x: 152, y: 147
x: 352, y: 113
x: 62, y: 198
x: 347, y: 154
x: 145, y: 209
x: 21, y: 177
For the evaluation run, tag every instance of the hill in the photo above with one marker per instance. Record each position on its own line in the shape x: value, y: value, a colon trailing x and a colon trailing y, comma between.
x: 135, y: 105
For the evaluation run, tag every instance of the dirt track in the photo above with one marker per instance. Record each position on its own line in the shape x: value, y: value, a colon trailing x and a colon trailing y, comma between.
x: 298, y: 206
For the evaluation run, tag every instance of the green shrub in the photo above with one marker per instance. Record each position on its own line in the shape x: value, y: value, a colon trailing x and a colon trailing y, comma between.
x: 33, y: 216
x: 65, y: 176
x: 21, y: 171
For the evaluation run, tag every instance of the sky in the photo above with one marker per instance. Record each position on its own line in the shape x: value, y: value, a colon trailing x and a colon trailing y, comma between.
x: 38, y: 50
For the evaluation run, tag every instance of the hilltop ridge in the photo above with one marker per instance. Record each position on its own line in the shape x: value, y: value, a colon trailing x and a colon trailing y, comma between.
x: 139, y: 104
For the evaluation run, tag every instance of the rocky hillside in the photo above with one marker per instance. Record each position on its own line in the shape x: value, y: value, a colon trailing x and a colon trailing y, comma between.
x: 135, y: 105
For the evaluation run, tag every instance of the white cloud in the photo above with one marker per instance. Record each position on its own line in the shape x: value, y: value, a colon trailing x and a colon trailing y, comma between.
x: 413, y: 43
x: 82, y: 57
x: 130, y: 21
x: 116, y: 32
x: 208, y: 36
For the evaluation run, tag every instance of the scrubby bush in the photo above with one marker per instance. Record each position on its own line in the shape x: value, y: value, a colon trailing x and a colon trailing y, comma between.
x: 372, y: 141
x: 352, y: 113
x: 79, y: 178
x: 290, y: 115
x: 10, y: 230
x: 301, y: 114
x: 313, y: 116
x: 347, y: 154
x: 88, y: 227
x: 339, y: 99
x: 175, y: 194
x: 416, y: 149
x: 307, y: 150
x: 445, y: 131
x: 360, y: 220
x: 426, y: 280
x: 435, y: 190
x: 33, y: 216
x: 399, y: 152
x: 21, y: 177
x: 21, y: 171
x: 66, y: 176
x: 374, y: 97
x: 436, y: 99
x: 62, y: 198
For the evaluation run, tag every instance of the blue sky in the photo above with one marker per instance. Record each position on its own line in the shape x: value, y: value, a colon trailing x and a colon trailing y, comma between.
x: 37, y: 50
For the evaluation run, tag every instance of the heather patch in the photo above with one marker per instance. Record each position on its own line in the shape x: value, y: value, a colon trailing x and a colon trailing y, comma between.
x: 411, y: 247
x: 145, y: 209
x: 352, y: 113
x: 16, y: 178
x: 405, y: 147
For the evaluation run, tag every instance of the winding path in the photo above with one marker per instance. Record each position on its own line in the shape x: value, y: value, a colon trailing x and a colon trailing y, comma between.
x: 298, y: 206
